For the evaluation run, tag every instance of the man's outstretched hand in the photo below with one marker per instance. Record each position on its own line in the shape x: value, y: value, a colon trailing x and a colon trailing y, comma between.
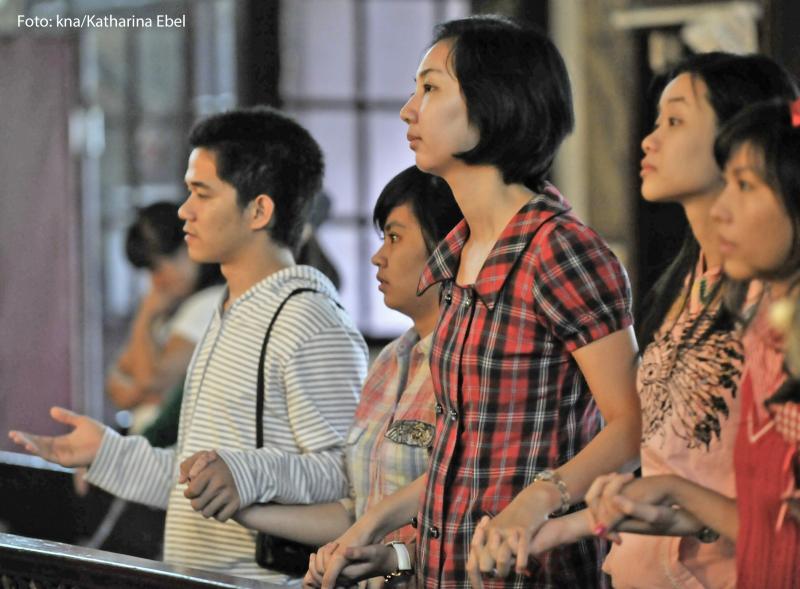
x: 77, y: 448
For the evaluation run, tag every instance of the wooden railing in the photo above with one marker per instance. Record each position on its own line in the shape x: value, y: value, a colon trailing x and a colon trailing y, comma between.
x: 28, y: 563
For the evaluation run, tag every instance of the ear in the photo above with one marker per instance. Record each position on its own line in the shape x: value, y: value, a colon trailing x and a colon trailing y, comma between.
x: 262, y: 208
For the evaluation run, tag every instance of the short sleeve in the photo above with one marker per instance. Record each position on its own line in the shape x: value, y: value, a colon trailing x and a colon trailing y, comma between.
x: 581, y: 290
x: 193, y: 315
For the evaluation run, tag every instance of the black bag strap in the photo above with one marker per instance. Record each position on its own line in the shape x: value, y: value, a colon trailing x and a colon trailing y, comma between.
x: 260, y: 385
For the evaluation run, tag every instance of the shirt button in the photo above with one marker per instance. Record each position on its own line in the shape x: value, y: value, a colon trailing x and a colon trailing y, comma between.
x: 439, y: 409
x: 448, y: 298
x: 433, y: 531
x: 453, y: 415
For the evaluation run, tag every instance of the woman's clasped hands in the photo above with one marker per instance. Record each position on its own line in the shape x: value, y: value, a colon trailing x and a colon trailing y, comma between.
x: 615, y: 503
x: 348, y: 559
x: 621, y: 503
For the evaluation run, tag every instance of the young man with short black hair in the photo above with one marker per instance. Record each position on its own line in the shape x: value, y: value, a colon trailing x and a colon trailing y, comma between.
x: 251, y: 177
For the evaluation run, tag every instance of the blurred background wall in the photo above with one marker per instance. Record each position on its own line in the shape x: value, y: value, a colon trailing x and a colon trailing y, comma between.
x: 95, y: 107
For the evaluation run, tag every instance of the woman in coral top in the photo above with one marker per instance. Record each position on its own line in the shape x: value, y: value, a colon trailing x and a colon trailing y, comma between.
x: 757, y: 217
x: 692, y: 358
x: 689, y: 375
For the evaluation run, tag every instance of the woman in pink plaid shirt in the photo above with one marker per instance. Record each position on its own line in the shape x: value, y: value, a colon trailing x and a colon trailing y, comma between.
x: 388, y: 444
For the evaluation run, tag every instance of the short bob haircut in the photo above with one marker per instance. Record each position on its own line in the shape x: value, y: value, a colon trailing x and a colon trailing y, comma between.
x: 261, y: 151
x: 430, y: 199
x: 157, y: 232
x: 766, y: 131
x: 517, y: 92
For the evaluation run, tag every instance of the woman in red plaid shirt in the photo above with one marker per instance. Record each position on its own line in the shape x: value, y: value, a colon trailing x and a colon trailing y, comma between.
x: 534, y: 348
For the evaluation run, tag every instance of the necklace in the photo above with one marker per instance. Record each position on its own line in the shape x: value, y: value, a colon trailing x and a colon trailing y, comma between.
x: 704, y: 294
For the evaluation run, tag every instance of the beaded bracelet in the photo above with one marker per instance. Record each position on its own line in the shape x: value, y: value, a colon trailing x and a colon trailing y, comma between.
x: 552, y: 476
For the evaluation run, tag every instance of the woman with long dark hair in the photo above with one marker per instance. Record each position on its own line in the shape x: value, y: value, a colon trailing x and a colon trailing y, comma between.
x: 688, y: 381
x: 757, y: 217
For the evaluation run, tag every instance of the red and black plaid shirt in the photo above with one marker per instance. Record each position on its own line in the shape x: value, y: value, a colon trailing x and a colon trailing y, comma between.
x: 511, y: 400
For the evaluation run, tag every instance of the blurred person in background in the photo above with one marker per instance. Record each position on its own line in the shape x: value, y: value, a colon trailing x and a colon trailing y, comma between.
x: 169, y: 320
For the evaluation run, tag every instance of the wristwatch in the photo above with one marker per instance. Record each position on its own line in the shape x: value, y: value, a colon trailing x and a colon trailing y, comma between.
x: 404, y: 568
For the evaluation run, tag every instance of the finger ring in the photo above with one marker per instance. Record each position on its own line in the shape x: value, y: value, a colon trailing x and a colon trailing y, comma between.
x: 494, y: 572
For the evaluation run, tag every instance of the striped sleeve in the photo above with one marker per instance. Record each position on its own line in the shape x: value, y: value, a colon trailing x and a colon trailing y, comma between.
x: 322, y: 379
x: 129, y: 467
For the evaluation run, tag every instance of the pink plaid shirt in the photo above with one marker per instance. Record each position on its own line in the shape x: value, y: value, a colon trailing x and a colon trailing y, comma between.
x: 389, y: 442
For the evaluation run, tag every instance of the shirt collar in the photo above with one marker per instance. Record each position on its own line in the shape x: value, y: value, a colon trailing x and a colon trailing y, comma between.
x: 407, y: 341
x: 443, y: 263
x: 410, y: 343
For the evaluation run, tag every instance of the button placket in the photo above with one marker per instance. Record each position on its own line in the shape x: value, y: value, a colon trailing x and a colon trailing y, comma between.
x: 448, y: 294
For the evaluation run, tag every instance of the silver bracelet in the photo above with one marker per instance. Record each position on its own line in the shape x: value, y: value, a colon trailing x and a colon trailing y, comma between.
x: 551, y: 476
